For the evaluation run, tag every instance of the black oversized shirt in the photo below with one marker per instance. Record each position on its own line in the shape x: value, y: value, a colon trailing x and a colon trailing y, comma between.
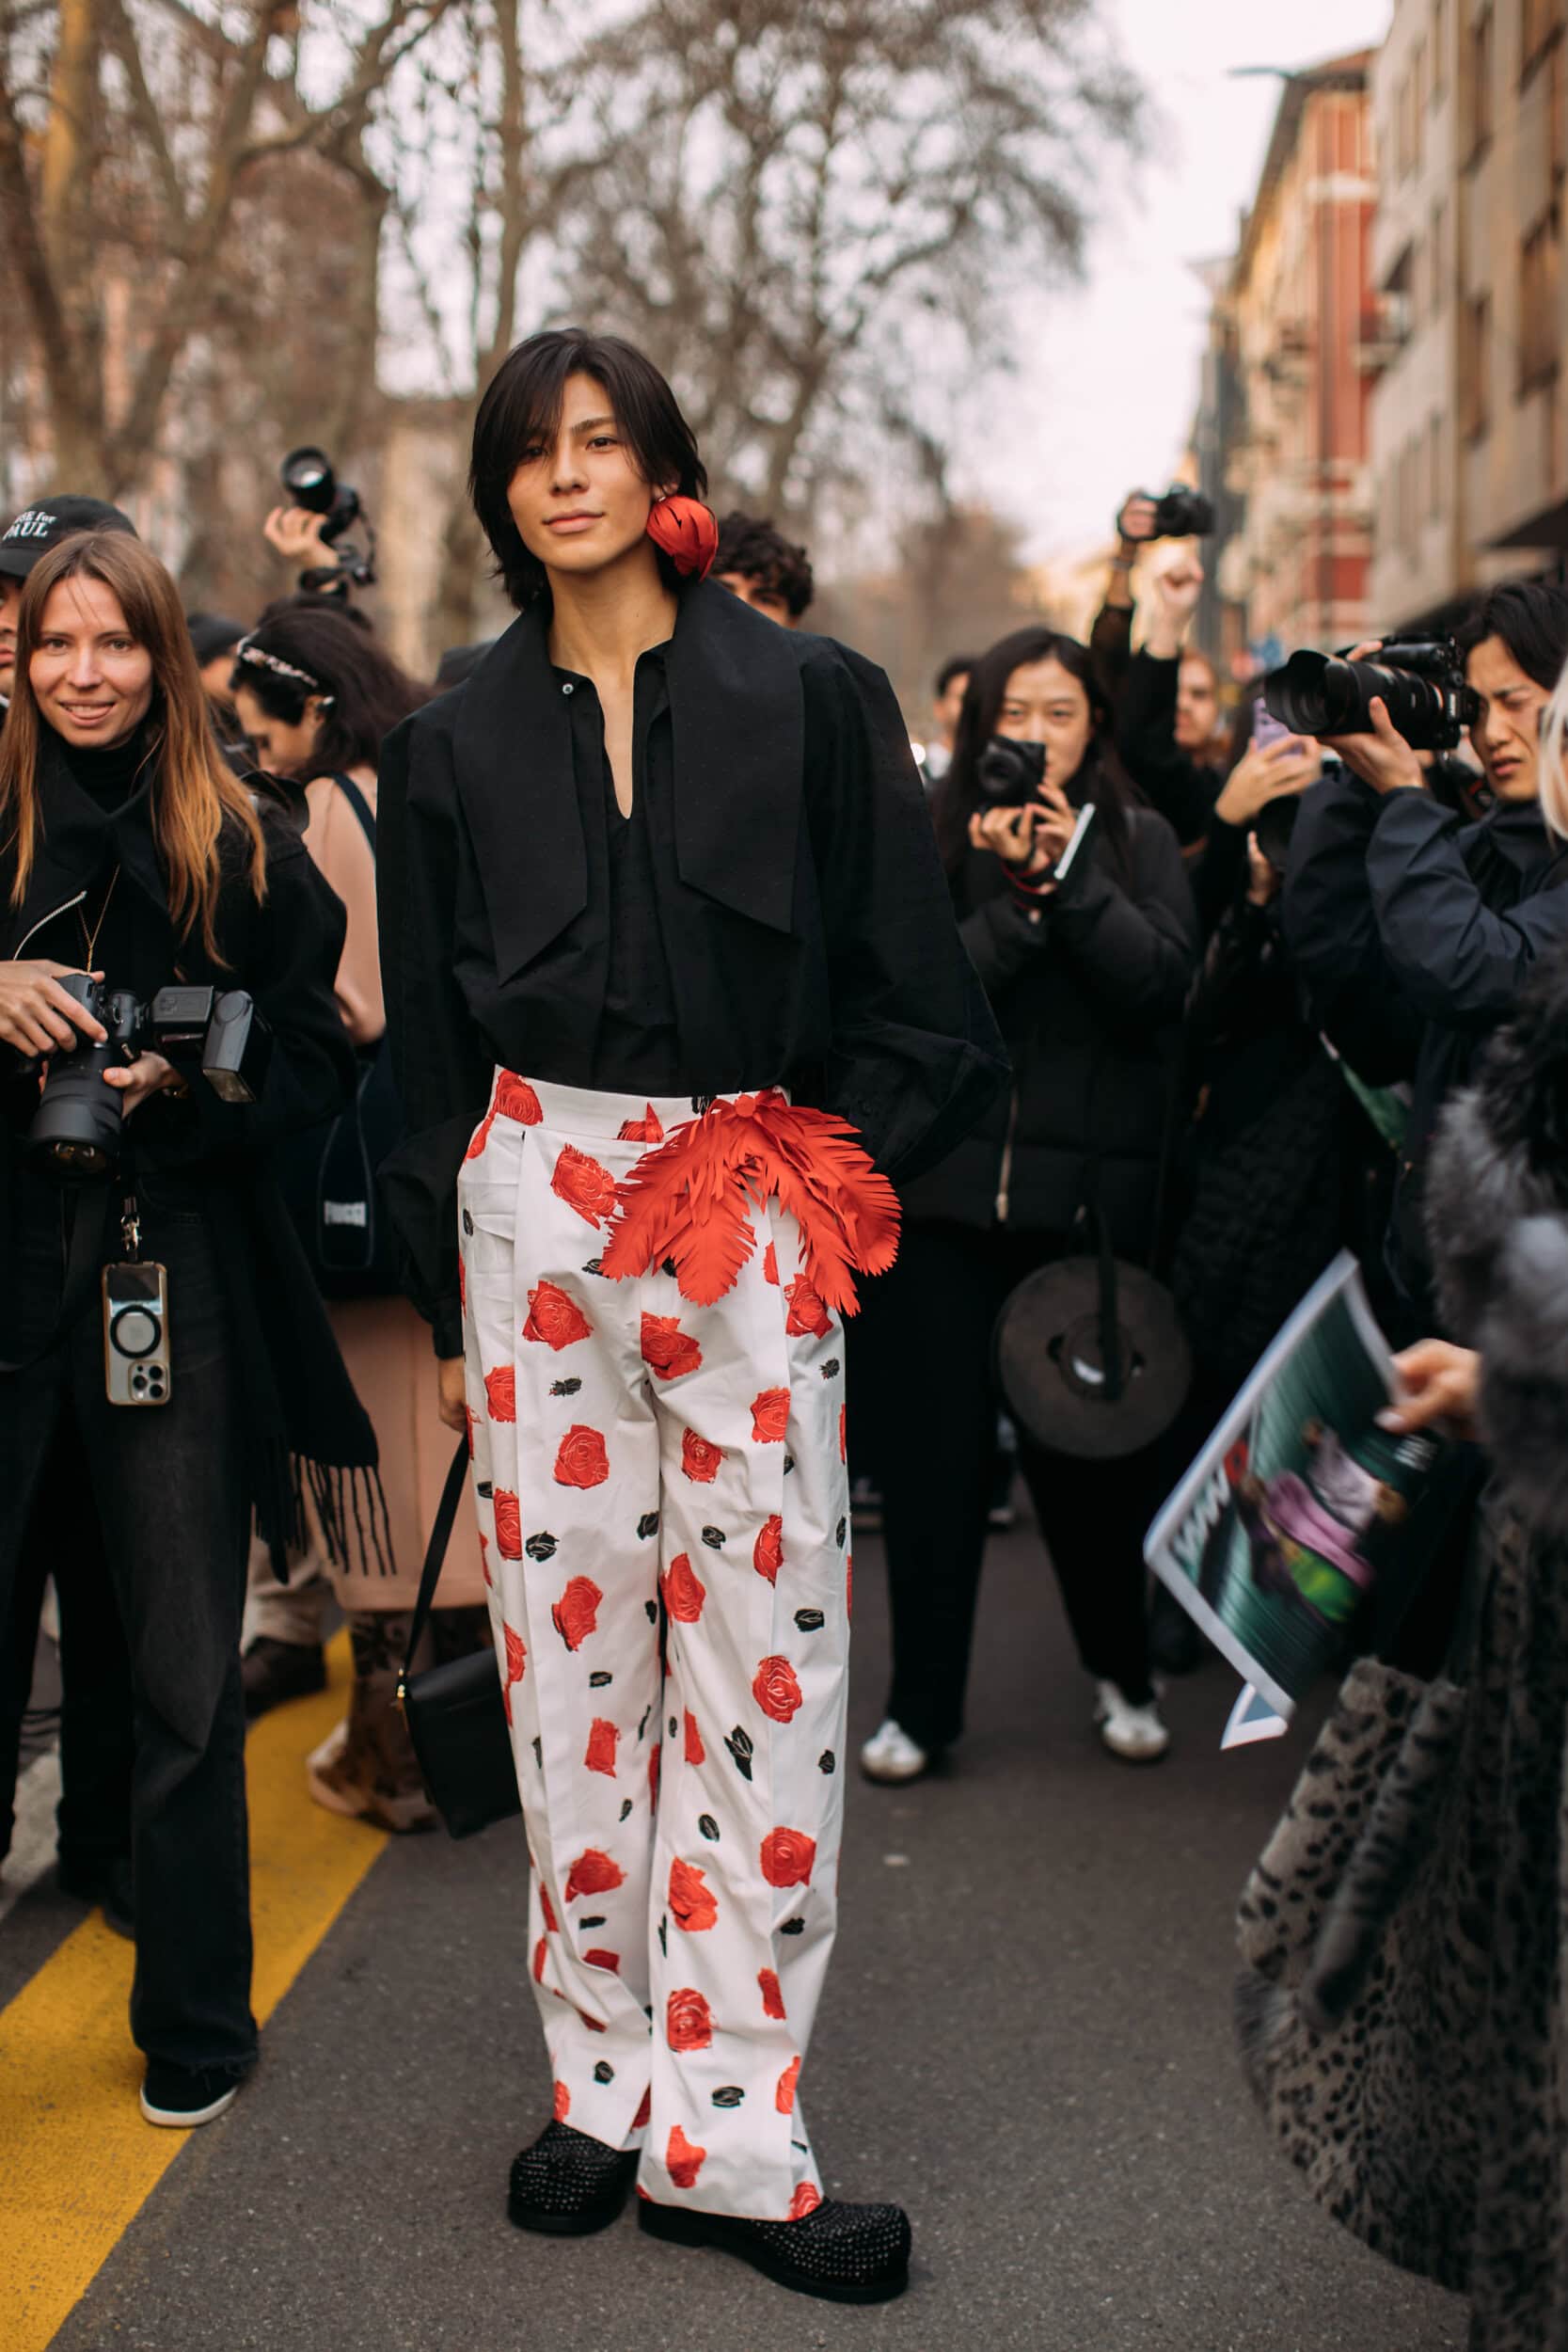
x: 797, y: 902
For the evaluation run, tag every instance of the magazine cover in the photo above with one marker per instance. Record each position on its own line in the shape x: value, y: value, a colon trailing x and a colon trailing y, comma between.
x: 1300, y: 1507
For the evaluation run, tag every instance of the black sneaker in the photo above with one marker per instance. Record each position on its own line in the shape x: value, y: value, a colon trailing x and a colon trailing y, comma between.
x: 274, y: 1671
x: 568, y: 2184
x: 108, y: 1883
x: 841, y: 2254
x: 181, y: 2097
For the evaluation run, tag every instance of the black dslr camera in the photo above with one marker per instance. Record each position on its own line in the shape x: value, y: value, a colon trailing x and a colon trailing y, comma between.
x: 1422, y: 679
x: 308, y: 477
x: 77, y: 1127
x: 1010, y: 772
x: 1181, y: 513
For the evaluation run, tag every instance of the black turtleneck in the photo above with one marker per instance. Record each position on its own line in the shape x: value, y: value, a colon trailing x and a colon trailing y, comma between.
x: 107, y: 774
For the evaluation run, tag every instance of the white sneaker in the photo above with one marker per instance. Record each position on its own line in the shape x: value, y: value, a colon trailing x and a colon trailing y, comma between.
x: 891, y: 1754
x: 1135, y: 1734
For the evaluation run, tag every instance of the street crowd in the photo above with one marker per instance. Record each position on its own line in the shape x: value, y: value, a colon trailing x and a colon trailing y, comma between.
x: 626, y: 1062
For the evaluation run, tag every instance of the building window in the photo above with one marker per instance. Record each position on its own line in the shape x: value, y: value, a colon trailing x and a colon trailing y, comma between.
x: 1439, y: 51
x: 1438, y: 246
x: 1475, y: 369
x: 1478, y: 87
x: 1540, y: 277
x: 1418, y: 101
x: 1435, y: 501
x: 1540, y: 23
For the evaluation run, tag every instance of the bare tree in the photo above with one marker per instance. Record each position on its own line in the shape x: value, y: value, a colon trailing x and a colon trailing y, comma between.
x: 131, y: 133
x: 810, y: 210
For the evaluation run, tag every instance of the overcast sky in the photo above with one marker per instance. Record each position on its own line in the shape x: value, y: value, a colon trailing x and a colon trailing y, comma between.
x: 1108, y: 377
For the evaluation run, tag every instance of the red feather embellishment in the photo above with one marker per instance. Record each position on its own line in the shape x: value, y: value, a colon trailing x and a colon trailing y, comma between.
x: 687, y: 532
x: 690, y: 1200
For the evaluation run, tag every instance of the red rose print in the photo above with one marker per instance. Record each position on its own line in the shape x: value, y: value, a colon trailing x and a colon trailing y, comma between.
x: 500, y: 1389
x: 805, y: 2200
x: 695, y: 1751
x: 691, y: 1901
x: 582, y: 1460
x: 517, y: 1655
x: 667, y: 1349
x: 547, y: 1909
x: 688, y: 2024
x: 654, y: 1755
x: 601, y: 1748
x: 776, y: 1691
x: 562, y: 2103
x: 540, y: 1952
x: 593, y: 2024
x: 771, y: 1416
x: 593, y: 1873
x: 480, y: 1137
x: 647, y: 2109
x: 485, y: 1561
x: 768, y: 1557
x: 788, y: 1857
x: 649, y: 1129
x: 583, y: 1185
x: 700, y: 1460
x: 770, y: 1264
x: 461, y: 1287
x: 843, y: 1433
x: 683, y: 1590
x: 772, y: 1999
x: 575, y: 1614
x: 807, y: 1314
x: 682, y: 2161
x: 608, y: 1961
x: 509, y: 1525
x: 783, y: 2098
x: 516, y: 1099
x: 555, y: 1318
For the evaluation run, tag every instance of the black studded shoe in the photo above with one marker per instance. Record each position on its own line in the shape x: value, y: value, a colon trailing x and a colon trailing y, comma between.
x: 568, y: 2184
x: 842, y: 2254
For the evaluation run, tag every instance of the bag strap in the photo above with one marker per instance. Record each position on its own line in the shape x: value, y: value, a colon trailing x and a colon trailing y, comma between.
x: 436, y: 1552
x: 360, y: 806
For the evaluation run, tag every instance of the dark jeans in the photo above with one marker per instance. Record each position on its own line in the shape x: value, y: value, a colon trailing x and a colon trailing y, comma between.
x: 922, y: 1417
x: 97, y: 1741
x: 171, y: 1492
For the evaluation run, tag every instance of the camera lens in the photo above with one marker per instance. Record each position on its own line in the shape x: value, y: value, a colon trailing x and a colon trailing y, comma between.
x: 307, y: 475
x: 76, y: 1128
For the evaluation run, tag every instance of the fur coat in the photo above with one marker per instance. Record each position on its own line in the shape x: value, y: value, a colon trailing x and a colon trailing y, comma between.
x: 1404, y: 2013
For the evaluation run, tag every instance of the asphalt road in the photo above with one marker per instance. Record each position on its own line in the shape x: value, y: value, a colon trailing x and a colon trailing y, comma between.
x: 1026, y: 2039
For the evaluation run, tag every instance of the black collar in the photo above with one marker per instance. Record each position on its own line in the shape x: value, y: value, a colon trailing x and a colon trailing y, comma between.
x: 738, y: 714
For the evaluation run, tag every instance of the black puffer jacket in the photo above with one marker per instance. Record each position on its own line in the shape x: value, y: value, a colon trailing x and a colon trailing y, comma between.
x: 1415, y: 933
x: 1088, y: 989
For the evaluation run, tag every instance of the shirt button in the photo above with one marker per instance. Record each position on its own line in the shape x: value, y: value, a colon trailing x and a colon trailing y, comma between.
x: 568, y: 688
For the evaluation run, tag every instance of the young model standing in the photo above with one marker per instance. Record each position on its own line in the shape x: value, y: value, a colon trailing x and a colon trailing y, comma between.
x: 656, y: 879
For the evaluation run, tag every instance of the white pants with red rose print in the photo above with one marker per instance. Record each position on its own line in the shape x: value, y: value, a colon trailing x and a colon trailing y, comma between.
x: 683, y: 1814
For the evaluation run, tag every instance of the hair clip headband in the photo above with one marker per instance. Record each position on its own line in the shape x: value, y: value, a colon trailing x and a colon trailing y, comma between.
x: 248, y: 651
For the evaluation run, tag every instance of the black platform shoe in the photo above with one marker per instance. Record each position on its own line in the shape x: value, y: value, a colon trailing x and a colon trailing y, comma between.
x: 843, y: 2253
x: 568, y: 2184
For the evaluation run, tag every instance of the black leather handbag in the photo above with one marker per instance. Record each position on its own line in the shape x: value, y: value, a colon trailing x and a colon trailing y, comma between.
x: 456, y: 1714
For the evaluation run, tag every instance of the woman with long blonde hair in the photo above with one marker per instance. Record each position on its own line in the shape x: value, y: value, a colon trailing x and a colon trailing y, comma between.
x: 157, y: 1312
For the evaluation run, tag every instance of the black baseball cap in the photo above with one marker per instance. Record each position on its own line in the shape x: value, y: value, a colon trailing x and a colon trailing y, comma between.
x: 44, y: 524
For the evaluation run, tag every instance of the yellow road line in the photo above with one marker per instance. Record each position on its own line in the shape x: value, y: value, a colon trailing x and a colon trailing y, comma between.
x: 78, y: 2162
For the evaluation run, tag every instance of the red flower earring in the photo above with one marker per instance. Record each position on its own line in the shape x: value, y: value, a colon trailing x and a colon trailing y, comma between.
x: 687, y: 532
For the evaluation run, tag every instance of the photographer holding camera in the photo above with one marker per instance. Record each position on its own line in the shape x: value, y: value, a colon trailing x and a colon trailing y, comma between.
x: 1166, y: 694
x: 1087, y: 962
x: 165, y: 1011
x: 1416, y: 930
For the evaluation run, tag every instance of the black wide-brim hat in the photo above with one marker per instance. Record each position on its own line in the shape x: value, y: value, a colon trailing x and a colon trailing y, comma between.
x: 1051, y: 1363
x: 44, y: 524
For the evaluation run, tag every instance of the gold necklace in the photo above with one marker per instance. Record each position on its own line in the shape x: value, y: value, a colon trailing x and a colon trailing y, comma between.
x: 91, y: 937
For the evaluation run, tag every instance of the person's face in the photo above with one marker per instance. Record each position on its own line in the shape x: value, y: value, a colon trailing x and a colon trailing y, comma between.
x: 216, y: 676
x: 282, y: 747
x: 1507, y: 737
x: 91, y: 678
x: 1198, y: 707
x: 948, y: 706
x: 579, y: 502
x: 1045, y: 703
x: 761, y: 599
x: 10, y: 605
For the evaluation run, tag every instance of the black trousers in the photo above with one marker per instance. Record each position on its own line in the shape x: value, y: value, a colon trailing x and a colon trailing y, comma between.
x: 97, y: 1740
x: 171, y: 1494
x: 923, y: 1419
